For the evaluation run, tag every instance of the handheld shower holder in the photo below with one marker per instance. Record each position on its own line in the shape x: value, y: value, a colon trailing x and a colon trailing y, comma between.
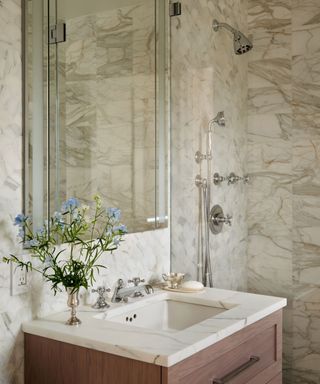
x: 199, y: 157
x: 200, y: 182
x: 221, y: 122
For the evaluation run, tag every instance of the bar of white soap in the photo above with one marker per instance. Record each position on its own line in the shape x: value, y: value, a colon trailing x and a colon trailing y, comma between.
x: 192, y: 286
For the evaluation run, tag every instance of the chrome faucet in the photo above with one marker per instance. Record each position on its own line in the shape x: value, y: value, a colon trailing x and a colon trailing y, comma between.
x: 123, y: 292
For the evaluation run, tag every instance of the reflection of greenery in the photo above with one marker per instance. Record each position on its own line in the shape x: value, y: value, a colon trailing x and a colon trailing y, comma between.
x: 68, y: 228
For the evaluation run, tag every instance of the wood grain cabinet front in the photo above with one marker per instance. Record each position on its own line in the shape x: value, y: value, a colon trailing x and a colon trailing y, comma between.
x: 250, y: 356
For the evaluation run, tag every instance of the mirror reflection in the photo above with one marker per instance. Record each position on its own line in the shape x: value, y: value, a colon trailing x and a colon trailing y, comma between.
x: 99, y: 87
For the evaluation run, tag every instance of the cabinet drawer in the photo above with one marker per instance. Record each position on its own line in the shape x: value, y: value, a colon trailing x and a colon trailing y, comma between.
x: 240, y: 365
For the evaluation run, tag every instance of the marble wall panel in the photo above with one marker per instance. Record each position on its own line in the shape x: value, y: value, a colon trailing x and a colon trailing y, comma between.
x: 306, y: 265
x: 13, y: 310
x: 306, y: 13
x: 207, y: 77
x: 270, y: 195
x: 306, y: 187
x: 269, y: 16
x: 287, y: 35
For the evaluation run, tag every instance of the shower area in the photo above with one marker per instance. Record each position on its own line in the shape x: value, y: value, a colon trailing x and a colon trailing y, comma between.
x: 264, y: 159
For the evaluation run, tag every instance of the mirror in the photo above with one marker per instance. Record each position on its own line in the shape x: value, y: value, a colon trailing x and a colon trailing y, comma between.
x: 97, y: 107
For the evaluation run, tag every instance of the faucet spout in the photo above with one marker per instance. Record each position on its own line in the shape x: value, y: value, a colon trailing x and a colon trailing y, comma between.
x: 149, y: 289
x: 122, y: 292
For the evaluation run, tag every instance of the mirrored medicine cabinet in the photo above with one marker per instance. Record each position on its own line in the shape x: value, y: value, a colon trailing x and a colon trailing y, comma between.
x: 96, y: 107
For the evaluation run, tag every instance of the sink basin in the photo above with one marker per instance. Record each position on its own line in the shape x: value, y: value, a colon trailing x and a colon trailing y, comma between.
x: 166, y: 315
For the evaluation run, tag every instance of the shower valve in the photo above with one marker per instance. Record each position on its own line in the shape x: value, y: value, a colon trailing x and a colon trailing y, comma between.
x: 231, y: 179
x: 225, y: 220
x: 217, y: 219
x: 218, y: 179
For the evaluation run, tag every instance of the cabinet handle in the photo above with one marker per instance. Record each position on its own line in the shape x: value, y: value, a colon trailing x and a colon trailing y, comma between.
x: 253, y: 360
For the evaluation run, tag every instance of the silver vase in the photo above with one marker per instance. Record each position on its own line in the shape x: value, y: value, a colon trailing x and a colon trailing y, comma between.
x: 73, y: 302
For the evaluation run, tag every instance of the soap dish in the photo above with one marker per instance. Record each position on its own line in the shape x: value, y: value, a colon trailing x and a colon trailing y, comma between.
x: 187, y: 287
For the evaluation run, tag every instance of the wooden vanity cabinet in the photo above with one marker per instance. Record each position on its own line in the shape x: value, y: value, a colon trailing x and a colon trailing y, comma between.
x: 250, y: 356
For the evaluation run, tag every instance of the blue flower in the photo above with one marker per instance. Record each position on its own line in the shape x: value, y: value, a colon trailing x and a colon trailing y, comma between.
x: 114, y: 213
x: 48, y: 261
x: 109, y: 232
x: 116, y: 240
x: 40, y: 231
x: 58, y: 219
x: 121, y: 228
x: 76, y: 216
x: 34, y: 243
x: 21, y: 233
x: 70, y: 205
x: 20, y: 219
x: 57, y: 216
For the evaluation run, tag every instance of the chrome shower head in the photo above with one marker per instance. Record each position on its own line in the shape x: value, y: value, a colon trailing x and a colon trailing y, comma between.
x: 241, y: 43
x: 220, y: 119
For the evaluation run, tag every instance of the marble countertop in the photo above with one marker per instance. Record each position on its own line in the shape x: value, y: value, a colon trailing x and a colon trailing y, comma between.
x: 153, y: 346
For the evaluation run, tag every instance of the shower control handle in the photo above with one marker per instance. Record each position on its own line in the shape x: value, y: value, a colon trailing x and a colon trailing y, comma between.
x: 233, y: 178
x: 218, y: 179
x: 225, y: 219
x: 217, y: 219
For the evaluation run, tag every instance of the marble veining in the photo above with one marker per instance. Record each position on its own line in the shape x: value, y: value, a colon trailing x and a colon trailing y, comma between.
x: 283, y: 155
x: 16, y: 309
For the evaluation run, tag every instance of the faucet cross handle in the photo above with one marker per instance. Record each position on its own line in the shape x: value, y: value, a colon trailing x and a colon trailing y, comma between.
x: 228, y: 220
x: 101, y: 290
x: 101, y: 301
x: 136, y: 281
x: 233, y: 178
x: 120, y: 283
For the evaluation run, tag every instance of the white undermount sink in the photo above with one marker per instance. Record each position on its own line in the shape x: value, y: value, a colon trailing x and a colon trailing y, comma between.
x: 168, y: 314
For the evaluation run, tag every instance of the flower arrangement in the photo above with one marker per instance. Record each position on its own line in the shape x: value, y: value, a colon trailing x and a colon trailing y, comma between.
x: 83, y: 232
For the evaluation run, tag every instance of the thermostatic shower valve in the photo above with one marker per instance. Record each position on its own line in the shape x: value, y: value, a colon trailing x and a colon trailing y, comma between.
x: 217, y: 219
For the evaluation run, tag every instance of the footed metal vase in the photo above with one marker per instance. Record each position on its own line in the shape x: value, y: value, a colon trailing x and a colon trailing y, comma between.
x: 73, y: 303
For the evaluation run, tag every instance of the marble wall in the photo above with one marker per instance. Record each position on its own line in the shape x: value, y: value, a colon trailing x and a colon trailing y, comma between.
x: 306, y: 190
x: 270, y: 219
x: 283, y: 157
x: 207, y: 77
x: 143, y: 254
x: 16, y: 309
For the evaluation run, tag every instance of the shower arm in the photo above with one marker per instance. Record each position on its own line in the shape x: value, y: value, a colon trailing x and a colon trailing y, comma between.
x: 217, y: 25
